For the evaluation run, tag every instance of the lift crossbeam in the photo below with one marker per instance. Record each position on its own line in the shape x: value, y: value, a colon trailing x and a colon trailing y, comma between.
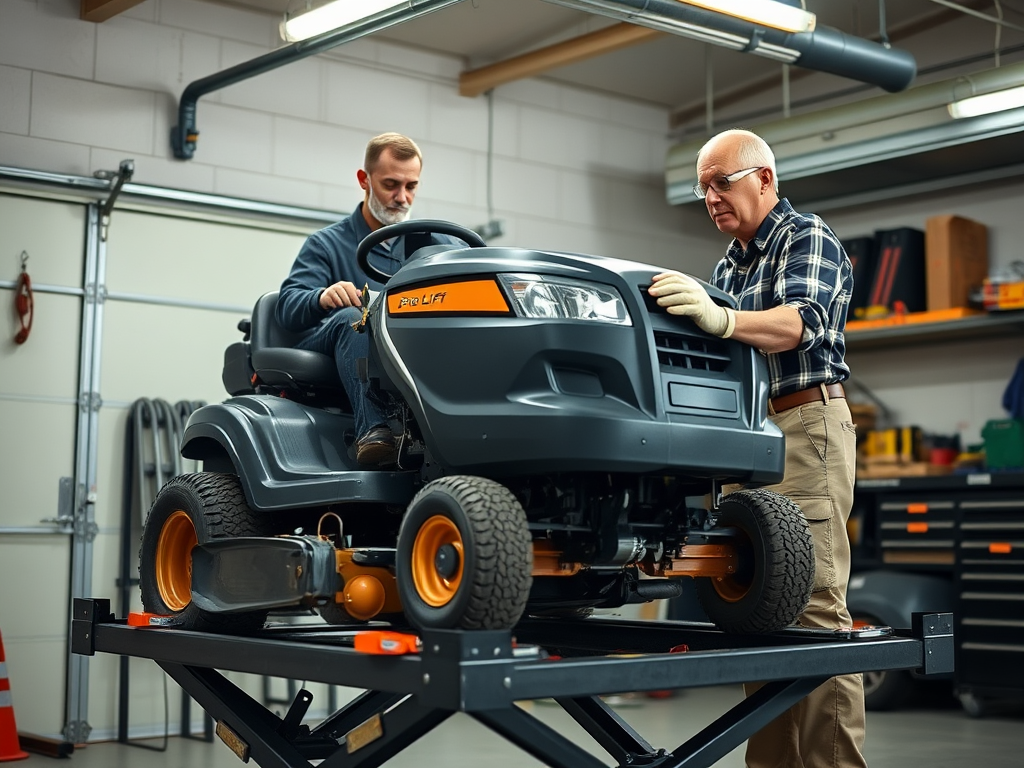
x: 485, y: 673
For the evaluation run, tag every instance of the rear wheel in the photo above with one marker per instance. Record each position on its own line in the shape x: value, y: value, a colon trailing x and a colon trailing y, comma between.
x: 773, y: 581
x: 464, y: 556
x: 191, y: 510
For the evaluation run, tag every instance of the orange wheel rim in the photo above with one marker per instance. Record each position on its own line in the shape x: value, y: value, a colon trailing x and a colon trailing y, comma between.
x: 174, y: 561
x: 736, y: 586
x: 435, y: 589
x: 731, y: 589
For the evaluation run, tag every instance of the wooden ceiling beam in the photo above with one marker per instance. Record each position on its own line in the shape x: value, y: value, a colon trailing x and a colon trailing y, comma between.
x: 101, y: 10
x: 473, y: 82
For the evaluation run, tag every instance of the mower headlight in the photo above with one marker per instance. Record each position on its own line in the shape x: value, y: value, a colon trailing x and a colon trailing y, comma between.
x: 562, y: 298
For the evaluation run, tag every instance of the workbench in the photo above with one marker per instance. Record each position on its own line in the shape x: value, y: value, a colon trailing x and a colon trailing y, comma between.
x: 483, y: 673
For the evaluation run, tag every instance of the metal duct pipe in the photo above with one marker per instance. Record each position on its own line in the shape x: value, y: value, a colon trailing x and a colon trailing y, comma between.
x: 184, y: 135
x: 824, y: 50
x: 868, y: 131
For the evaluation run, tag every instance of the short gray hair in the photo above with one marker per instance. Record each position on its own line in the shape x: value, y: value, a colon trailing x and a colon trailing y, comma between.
x: 402, y: 147
x: 751, y: 151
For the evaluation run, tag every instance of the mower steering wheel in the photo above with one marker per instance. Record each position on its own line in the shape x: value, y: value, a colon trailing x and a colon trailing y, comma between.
x: 417, y: 226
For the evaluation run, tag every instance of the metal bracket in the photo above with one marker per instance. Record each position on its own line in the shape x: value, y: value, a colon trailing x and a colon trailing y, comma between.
x: 77, y: 731
x: 936, y: 632
x: 117, y: 180
x: 95, y: 294
x: 90, y: 401
x: 65, y: 518
x: 755, y: 40
x: 716, y: 494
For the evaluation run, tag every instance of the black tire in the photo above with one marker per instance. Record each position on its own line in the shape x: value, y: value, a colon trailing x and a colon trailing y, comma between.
x: 464, y: 556
x: 191, y: 510
x: 773, y: 582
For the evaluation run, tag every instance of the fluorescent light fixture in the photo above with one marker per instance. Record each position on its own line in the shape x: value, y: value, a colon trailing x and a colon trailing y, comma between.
x: 997, y: 101
x: 333, y: 15
x: 703, y: 34
x: 767, y: 13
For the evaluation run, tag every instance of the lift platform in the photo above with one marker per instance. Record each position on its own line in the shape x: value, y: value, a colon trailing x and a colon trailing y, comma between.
x: 412, y: 687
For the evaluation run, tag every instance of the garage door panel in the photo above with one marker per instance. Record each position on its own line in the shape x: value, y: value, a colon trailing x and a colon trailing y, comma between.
x: 165, y: 352
x: 51, y: 232
x: 46, y: 365
x: 197, y: 261
x: 34, y: 600
x: 37, y: 449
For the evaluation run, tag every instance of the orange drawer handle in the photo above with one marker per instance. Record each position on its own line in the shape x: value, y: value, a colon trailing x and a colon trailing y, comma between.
x: 1000, y: 548
x: 917, y: 527
x: 917, y: 509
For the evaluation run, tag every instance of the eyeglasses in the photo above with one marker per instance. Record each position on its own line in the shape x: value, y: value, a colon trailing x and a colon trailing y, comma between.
x: 722, y: 183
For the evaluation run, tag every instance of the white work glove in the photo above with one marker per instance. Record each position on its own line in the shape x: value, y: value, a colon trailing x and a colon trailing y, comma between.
x: 682, y: 295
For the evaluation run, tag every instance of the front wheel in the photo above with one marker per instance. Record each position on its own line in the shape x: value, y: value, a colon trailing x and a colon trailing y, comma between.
x: 464, y: 556
x: 191, y: 510
x: 772, y: 583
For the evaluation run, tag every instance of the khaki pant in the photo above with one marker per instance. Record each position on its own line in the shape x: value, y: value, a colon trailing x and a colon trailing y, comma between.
x: 825, y: 729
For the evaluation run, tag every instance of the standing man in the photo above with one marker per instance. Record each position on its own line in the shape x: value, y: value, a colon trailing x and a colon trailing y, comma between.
x: 792, y: 281
x: 323, y: 289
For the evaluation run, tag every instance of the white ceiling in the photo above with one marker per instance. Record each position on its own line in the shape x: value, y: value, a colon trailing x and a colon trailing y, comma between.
x: 669, y: 70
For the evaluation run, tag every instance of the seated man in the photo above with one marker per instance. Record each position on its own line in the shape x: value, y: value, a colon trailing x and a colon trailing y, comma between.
x: 323, y: 289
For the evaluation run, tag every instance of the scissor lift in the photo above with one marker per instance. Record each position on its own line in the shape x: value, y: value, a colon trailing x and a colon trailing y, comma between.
x: 484, y: 673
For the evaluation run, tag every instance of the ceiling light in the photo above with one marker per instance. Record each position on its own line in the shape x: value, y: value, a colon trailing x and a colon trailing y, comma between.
x: 333, y: 15
x: 997, y: 101
x: 767, y: 13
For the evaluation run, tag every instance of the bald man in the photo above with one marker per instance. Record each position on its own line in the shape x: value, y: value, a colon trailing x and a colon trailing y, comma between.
x: 792, y: 281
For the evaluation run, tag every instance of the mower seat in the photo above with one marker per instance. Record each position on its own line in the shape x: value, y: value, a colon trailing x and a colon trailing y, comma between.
x: 277, y: 363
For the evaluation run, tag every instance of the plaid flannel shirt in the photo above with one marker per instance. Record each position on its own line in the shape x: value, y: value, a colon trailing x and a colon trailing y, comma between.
x: 795, y: 260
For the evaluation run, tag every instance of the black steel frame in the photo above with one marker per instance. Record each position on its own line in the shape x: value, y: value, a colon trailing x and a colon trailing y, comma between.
x: 484, y: 673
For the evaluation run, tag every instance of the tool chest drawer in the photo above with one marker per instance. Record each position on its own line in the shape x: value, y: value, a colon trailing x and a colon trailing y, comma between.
x: 917, y: 530
x: 990, y: 585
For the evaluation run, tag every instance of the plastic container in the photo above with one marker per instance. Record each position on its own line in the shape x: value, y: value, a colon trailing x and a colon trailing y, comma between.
x: 1004, y: 443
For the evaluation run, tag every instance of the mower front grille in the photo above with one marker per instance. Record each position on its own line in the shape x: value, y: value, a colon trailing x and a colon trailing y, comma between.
x: 679, y: 352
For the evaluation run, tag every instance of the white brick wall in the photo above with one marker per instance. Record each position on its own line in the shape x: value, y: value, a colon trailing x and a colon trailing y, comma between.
x: 580, y: 167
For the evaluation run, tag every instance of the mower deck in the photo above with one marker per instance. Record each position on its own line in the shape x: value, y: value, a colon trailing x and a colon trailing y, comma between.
x: 483, y: 673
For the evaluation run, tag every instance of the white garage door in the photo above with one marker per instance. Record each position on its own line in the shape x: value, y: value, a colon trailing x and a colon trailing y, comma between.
x: 172, y: 286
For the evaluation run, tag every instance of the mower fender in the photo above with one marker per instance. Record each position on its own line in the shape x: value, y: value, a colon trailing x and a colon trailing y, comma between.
x: 287, y: 455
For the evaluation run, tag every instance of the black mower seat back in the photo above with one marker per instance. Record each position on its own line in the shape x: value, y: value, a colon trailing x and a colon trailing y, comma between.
x: 277, y: 363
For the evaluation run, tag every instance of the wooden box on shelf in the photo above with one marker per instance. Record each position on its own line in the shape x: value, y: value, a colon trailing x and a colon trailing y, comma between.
x: 956, y: 259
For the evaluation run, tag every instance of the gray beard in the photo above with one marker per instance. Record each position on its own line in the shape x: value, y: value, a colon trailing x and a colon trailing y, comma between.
x: 386, y: 215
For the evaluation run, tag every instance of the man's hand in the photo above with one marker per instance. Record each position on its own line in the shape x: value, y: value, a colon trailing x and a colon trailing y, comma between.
x: 682, y: 295
x: 340, y: 295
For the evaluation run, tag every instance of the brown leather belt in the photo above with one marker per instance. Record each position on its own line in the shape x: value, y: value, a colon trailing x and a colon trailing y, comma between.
x: 815, y: 394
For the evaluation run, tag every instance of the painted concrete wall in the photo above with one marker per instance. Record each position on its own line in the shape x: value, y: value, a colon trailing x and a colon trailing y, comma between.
x: 572, y: 169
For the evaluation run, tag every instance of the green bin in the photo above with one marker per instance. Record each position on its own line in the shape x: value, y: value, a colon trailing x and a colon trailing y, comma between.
x: 1004, y: 443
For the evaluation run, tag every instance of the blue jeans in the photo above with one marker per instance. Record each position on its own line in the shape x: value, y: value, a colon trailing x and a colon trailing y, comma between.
x: 336, y: 338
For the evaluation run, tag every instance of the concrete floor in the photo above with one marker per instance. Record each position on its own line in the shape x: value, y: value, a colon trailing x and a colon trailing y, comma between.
x: 936, y: 734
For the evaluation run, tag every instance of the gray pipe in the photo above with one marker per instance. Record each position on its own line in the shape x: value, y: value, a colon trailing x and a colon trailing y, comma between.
x: 829, y: 50
x: 824, y: 50
x: 185, y: 135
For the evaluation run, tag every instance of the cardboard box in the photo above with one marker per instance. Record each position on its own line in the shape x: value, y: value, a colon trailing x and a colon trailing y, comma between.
x: 956, y: 253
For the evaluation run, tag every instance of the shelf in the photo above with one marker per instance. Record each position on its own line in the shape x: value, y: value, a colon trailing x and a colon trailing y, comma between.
x: 993, y: 324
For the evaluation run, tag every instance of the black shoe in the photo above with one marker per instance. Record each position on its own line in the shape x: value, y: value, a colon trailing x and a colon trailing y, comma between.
x: 377, y: 447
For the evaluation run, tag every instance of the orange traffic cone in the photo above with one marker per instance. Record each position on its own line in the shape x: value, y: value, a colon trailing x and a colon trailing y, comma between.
x: 10, y: 749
